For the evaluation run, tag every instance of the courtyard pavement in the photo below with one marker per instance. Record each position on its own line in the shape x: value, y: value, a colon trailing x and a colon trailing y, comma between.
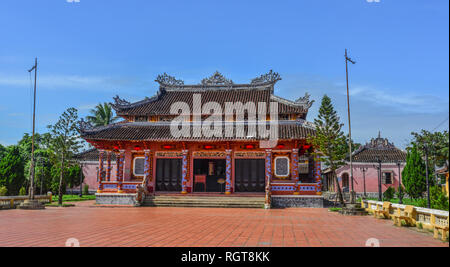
x: 204, y: 227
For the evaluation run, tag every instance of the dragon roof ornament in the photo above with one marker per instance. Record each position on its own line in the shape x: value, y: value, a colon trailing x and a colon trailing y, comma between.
x: 270, y: 77
x: 84, y: 125
x: 118, y: 102
x: 217, y: 79
x: 304, y: 101
x: 165, y: 79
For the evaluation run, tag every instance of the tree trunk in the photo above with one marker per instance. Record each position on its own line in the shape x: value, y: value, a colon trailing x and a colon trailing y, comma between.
x: 338, y: 189
x: 60, y: 198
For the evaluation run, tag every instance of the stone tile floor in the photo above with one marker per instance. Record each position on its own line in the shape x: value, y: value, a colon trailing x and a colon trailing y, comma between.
x: 204, y: 227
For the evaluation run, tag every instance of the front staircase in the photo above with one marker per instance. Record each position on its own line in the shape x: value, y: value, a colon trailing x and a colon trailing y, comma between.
x: 204, y: 201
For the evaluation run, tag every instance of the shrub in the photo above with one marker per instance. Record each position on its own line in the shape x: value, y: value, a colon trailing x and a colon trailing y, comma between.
x: 389, y: 194
x: 86, y: 189
x: 401, y: 193
x: 22, y: 191
x: 3, y: 190
x: 335, y: 209
x: 438, y: 199
x: 420, y: 225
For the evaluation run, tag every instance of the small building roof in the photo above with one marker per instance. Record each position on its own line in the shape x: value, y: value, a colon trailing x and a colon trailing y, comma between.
x: 216, y: 88
x: 379, y: 148
x: 160, y: 131
x: 91, y: 155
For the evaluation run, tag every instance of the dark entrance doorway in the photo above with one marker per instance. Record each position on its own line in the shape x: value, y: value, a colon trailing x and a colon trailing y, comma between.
x: 168, y: 175
x: 249, y: 175
x: 207, y: 175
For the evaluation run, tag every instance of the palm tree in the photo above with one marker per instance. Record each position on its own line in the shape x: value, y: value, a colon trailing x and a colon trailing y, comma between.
x: 102, y: 115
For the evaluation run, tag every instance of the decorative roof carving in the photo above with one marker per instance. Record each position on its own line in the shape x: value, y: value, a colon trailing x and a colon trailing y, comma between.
x: 118, y: 102
x: 380, y: 143
x: 217, y: 79
x: 304, y: 101
x: 379, y: 148
x: 85, y: 125
x: 270, y: 77
x: 165, y: 79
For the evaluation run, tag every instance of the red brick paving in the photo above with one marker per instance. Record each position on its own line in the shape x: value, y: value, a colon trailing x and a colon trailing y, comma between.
x: 205, y: 227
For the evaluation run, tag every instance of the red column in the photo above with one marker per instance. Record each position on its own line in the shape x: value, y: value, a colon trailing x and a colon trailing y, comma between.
x: 318, y: 174
x: 294, y: 164
x: 228, y: 169
x: 268, y: 165
x: 147, y: 167
x: 120, y: 168
x: 108, y: 166
x: 184, y: 172
x: 100, y: 170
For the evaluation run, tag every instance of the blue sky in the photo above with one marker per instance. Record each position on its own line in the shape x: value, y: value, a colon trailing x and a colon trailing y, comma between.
x: 92, y: 50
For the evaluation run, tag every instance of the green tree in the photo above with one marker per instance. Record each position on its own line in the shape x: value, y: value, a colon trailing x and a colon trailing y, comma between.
x: 329, y: 141
x: 437, y: 143
x: 42, y: 175
x: 102, y: 115
x: 73, y: 176
x: 22, y: 191
x: 41, y: 141
x: 2, y: 151
x: 65, y: 142
x: 413, y: 175
x: 3, y: 190
x: 11, y: 170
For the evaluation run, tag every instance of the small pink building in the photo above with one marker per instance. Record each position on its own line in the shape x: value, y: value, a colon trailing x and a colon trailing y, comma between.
x: 366, y: 164
x: 89, y: 162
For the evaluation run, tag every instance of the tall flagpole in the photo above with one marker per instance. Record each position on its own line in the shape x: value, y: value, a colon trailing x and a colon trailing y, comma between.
x: 31, y: 195
x: 352, y: 194
x: 31, y: 203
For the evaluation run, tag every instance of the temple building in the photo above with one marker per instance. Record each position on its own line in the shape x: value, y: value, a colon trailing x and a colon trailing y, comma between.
x: 213, y: 137
x: 366, y: 162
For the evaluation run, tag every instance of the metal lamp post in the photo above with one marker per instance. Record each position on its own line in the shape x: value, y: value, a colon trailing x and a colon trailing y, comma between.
x: 426, y: 175
x: 81, y: 179
x: 380, y: 195
x: 364, y: 169
x: 400, y: 195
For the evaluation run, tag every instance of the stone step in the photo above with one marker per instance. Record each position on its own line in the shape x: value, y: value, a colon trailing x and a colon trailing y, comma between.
x: 204, y: 202
x: 205, y: 205
x: 205, y: 199
x: 197, y: 201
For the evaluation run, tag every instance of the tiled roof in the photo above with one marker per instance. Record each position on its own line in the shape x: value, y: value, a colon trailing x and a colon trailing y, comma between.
x: 379, y: 148
x: 160, y: 104
x: 160, y: 131
x: 91, y: 155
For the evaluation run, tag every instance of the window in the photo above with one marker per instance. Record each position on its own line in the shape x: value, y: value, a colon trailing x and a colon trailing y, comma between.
x: 387, y: 178
x: 140, y: 119
x: 138, y: 166
x: 282, y: 166
x: 345, y: 180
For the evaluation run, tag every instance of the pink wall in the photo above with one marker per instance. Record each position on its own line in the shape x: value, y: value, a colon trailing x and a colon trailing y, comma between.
x: 90, y: 174
x: 371, y: 176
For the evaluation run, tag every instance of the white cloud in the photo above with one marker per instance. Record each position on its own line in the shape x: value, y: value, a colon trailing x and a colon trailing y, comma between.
x: 401, y: 101
x: 57, y: 81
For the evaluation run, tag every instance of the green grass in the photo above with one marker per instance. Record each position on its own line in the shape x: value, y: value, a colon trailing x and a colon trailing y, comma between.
x: 73, y: 198
x: 406, y: 201
x: 335, y: 209
x: 64, y: 205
